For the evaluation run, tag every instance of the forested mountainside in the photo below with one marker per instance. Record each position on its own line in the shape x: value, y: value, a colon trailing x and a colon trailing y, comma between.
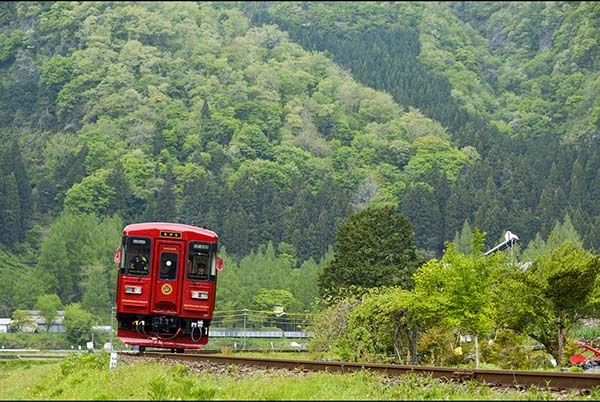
x: 272, y: 121
x: 514, y: 80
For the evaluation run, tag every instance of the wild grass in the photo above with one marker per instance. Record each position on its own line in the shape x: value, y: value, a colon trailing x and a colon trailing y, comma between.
x: 88, y: 377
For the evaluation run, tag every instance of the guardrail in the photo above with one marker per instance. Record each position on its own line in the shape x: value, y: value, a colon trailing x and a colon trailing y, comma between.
x: 258, y: 334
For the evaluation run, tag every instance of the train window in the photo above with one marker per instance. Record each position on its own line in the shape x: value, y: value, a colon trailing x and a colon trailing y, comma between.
x: 199, y: 262
x: 168, y: 266
x: 137, y: 256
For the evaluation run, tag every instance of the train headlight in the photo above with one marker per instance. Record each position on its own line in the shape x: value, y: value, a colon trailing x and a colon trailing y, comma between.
x: 133, y: 290
x: 199, y: 295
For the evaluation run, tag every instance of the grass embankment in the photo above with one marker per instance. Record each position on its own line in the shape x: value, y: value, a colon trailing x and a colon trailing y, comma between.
x: 88, y: 377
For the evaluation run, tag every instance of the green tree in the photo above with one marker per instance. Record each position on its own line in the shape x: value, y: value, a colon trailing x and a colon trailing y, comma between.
x: 91, y: 195
x: 419, y: 206
x: 14, y: 164
x: 10, y: 210
x: 546, y: 300
x: 28, y: 286
x: 456, y: 292
x: 96, y: 297
x: 122, y: 199
x: 20, y: 320
x: 267, y: 299
x: 48, y: 305
x: 78, y: 323
x: 561, y: 232
x: 55, y: 73
x: 463, y: 239
x: 381, y: 328
x: 162, y: 206
x: 330, y: 325
x: 75, y: 241
x: 231, y: 290
x: 374, y: 247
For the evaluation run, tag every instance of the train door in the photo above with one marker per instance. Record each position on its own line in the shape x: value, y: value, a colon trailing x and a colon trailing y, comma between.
x: 169, y: 263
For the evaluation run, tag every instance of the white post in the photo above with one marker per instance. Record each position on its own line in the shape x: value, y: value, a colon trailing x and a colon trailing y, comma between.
x: 245, y: 314
x: 111, y: 327
x: 113, y: 361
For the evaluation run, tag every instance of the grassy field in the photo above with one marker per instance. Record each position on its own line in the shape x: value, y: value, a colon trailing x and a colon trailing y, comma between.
x: 88, y: 377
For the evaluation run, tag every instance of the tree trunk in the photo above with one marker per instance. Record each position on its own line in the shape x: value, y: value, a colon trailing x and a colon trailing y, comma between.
x: 476, y: 351
x: 414, y: 341
x: 560, y: 337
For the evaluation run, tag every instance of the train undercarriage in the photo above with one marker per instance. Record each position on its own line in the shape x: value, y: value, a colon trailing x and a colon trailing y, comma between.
x: 163, y: 331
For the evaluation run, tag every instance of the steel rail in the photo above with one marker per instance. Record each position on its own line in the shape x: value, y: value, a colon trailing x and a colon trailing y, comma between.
x: 515, y: 378
x: 30, y: 357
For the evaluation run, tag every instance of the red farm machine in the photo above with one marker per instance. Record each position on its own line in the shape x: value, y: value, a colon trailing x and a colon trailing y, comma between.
x: 585, y: 362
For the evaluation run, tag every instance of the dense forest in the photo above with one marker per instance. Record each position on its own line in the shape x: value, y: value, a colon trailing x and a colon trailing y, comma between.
x: 271, y: 122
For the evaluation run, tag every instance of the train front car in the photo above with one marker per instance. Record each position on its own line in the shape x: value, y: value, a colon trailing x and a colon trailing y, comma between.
x: 166, y: 286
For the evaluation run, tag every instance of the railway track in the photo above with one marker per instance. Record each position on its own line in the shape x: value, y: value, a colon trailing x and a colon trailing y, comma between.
x: 554, y: 381
x: 30, y: 357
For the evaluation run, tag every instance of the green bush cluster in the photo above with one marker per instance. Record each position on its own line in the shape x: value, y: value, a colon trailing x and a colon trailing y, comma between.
x: 42, y: 341
x: 178, y: 383
x: 52, y: 341
x: 77, y: 362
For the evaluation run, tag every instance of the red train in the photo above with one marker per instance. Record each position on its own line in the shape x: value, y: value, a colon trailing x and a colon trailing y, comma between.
x: 166, y: 286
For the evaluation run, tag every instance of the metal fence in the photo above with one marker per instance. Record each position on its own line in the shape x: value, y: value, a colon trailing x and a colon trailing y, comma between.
x: 259, y: 334
x: 263, y: 324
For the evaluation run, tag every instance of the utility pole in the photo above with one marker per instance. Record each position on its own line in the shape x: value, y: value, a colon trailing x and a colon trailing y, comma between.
x: 112, y: 313
x: 245, y: 314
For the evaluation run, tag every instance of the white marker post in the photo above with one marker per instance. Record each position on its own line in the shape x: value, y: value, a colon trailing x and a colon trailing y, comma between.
x: 113, y: 360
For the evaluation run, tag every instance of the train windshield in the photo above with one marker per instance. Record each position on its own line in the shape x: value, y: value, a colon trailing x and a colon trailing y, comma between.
x: 200, y: 266
x: 137, y: 256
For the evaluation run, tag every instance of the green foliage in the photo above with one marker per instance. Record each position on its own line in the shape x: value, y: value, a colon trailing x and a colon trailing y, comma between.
x: 91, y: 195
x: 271, y: 121
x: 463, y: 239
x: 77, y: 362
x: 21, y: 319
x: 437, y: 346
x: 560, y: 233
x: 330, y: 325
x: 509, y: 351
x: 266, y: 300
x: 158, y: 389
x: 177, y: 384
x: 546, y: 300
x: 268, y: 278
x: 16, y: 199
x: 434, y: 153
x: 75, y: 243
x: 96, y: 298
x: 569, y: 274
x: 9, y: 202
x: 380, y: 328
x: 48, y: 305
x: 19, y: 286
x: 39, y: 341
x: 456, y: 292
x: 78, y: 324
x: 56, y: 72
x: 374, y: 247
x: 47, y: 382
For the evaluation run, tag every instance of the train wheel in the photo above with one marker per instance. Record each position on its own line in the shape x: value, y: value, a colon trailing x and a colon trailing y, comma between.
x: 180, y: 350
x: 142, y: 349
